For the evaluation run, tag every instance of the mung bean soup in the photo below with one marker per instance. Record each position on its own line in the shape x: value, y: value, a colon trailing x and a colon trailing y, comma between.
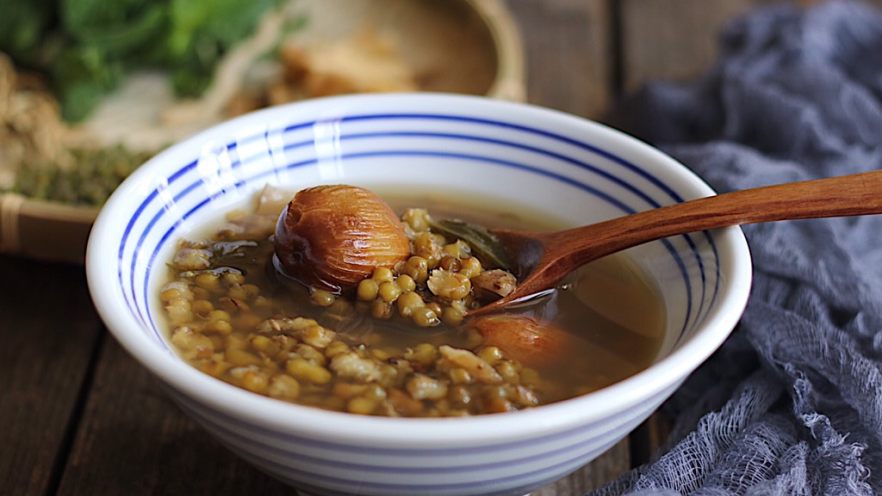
x: 382, y: 329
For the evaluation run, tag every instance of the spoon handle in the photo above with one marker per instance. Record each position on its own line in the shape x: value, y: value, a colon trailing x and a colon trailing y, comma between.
x: 857, y: 194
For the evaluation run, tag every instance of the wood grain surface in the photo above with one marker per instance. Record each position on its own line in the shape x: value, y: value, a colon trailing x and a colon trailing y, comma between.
x: 568, y: 50
x: 49, y: 335
x: 133, y: 440
x: 676, y: 39
x: 672, y: 39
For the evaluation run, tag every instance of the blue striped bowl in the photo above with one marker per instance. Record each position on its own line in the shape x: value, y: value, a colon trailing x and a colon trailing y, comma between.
x: 579, y: 171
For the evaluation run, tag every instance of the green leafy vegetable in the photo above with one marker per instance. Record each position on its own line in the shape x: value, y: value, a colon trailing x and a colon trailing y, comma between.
x: 22, y: 25
x: 87, y: 46
x: 87, y: 77
x: 117, y: 28
x: 201, y: 32
x: 485, y: 245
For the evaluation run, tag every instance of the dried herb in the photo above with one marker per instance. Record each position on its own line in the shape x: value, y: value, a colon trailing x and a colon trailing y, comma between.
x: 93, y: 178
x: 485, y: 245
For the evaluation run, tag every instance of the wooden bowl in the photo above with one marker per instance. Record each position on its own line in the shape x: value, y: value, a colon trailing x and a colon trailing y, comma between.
x: 472, y: 46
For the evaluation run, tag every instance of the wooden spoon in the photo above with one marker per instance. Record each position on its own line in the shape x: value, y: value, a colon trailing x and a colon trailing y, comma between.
x: 543, y: 259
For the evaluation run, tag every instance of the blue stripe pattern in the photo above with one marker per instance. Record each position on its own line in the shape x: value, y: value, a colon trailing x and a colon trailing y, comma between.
x: 575, y: 459
x: 254, y: 431
x: 583, y: 447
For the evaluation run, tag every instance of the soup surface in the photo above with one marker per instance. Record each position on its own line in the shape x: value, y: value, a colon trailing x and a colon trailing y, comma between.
x: 402, y: 350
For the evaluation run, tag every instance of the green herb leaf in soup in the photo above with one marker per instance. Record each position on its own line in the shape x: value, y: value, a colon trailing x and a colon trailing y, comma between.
x: 486, y: 246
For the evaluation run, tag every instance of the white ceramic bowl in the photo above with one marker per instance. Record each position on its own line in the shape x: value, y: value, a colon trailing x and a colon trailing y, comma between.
x: 580, y: 171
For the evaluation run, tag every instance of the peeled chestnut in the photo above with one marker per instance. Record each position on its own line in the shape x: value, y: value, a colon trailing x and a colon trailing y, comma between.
x: 332, y: 237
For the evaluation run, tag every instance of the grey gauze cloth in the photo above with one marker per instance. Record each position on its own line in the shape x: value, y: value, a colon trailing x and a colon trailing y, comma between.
x: 792, y: 402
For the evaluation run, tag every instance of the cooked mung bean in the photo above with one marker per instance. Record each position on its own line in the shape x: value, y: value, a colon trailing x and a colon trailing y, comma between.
x: 368, y: 289
x: 396, y: 344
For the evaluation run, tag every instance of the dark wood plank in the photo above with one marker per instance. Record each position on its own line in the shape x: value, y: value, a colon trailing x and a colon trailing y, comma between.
x: 133, y: 440
x: 673, y: 39
x: 567, y: 44
x: 648, y: 438
x: 592, y: 476
x: 677, y: 39
x: 48, y: 329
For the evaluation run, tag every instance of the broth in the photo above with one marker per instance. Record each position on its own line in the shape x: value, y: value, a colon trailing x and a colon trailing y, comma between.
x: 609, y: 314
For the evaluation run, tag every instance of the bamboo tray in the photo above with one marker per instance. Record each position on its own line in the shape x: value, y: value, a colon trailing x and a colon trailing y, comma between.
x: 58, y: 232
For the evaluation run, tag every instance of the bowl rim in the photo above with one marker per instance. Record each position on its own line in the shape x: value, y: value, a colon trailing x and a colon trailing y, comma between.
x: 349, y: 429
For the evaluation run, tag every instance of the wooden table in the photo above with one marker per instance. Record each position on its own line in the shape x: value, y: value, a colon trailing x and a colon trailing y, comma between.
x: 79, y: 416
